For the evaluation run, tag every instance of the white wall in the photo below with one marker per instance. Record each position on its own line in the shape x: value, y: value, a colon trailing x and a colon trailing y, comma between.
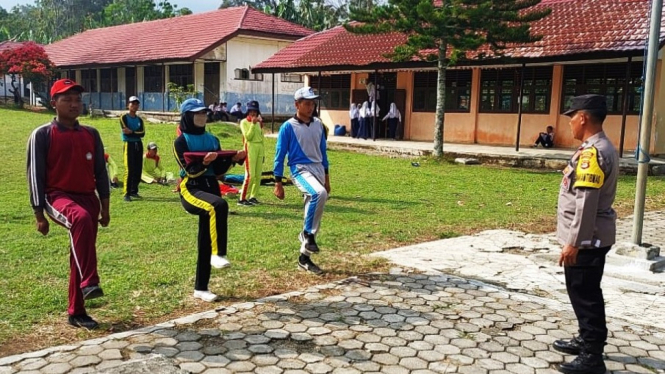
x: 244, y: 53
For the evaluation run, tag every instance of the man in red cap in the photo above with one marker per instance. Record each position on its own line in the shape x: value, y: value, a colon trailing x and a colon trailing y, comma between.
x: 66, y: 167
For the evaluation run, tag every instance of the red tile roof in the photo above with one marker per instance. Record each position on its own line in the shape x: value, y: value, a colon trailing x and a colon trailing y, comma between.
x: 172, y: 39
x: 575, y: 28
x: 7, y: 44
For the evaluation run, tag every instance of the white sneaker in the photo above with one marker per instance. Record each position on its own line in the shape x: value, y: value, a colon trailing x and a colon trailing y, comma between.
x: 205, y: 296
x: 219, y: 262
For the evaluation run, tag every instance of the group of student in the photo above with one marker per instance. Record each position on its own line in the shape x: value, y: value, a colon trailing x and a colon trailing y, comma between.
x: 78, y: 198
x: 362, y: 119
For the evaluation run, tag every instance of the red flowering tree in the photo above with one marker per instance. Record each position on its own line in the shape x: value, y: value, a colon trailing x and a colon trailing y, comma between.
x: 28, y: 61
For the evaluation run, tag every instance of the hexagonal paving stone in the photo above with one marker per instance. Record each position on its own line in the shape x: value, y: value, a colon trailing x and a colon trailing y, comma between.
x: 265, y: 360
x: 241, y: 366
x: 268, y: 370
x: 85, y: 361
x: 319, y: 368
x: 291, y: 363
x: 189, y: 356
x: 385, y: 359
x: 193, y: 367
x: 505, y: 357
x: 56, y: 368
x: 403, y: 352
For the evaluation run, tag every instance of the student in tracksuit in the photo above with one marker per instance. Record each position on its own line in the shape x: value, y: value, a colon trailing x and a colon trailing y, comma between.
x: 68, y: 181
x: 252, y: 134
x: 132, y: 132
x: 587, y: 230
x: 200, y: 194
x: 303, y: 140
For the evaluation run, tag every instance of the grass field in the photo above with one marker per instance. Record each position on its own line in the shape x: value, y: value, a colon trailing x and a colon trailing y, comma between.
x: 147, y: 254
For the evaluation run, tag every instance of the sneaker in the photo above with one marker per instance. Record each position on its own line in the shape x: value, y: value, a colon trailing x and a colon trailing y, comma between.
x: 128, y: 199
x: 219, y: 262
x: 244, y: 203
x: 92, y: 292
x: 308, y: 242
x: 83, y: 320
x: 136, y: 196
x: 205, y: 296
x: 310, y: 266
x: 253, y: 201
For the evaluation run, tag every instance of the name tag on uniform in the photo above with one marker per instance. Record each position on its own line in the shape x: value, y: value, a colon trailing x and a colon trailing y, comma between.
x: 565, y: 181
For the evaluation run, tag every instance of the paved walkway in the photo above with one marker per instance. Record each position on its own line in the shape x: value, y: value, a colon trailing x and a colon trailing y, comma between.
x: 526, y: 157
x: 489, y: 303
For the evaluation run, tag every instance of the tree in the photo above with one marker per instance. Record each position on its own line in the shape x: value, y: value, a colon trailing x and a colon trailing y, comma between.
x: 180, y: 93
x: 28, y: 61
x: 447, y: 32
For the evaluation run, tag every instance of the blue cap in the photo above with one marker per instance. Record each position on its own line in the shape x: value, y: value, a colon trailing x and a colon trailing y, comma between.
x: 305, y: 93
x: 192, y: 105
x: 253, y: 105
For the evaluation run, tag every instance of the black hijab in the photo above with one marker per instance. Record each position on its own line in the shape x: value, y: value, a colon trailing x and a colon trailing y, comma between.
x: 187, y: 124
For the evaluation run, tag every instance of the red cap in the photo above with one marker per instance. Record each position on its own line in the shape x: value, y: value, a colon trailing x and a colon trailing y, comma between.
x: 64, y: 85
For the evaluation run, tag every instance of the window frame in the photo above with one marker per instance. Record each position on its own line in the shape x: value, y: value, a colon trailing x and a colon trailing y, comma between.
x: 155, y: 78
x: 288, y: 78
x: 108, y: 80
x: 335, y: 91
x: 594, y: 79
x: 506, y: 85
x: 181, y: 74
x: 458, y: 86
x: 89, y: 80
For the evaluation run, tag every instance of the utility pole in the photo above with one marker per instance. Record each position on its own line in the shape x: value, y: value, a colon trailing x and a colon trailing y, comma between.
x: 645, y: 125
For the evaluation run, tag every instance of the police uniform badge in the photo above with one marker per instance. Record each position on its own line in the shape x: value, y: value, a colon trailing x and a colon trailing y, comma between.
x: 588, y: 172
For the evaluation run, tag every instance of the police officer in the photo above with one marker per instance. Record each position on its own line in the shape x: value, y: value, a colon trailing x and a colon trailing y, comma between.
x: 587, y: 228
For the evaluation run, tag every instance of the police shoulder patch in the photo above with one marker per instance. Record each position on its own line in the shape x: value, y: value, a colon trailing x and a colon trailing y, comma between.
x: 588, y: 172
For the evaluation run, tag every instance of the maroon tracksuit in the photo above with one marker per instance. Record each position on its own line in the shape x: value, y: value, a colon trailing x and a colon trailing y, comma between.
x: 65, y: 168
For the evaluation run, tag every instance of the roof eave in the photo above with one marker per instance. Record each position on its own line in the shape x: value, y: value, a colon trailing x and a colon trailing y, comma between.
x: 596, y: 55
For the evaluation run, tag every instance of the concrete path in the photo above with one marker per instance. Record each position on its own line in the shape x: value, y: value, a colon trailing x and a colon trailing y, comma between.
x: 526, y: 157
x: 488, y: 303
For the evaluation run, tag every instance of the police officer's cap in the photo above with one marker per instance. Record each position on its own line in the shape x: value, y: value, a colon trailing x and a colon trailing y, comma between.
x: 591, y: 102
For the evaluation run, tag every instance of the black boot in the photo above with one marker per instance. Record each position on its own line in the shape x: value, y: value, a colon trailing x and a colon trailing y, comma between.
x: 571, y: 347
x: 585, y: 363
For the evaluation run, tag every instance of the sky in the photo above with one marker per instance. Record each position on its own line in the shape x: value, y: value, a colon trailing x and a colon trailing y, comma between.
x: 196, y: 6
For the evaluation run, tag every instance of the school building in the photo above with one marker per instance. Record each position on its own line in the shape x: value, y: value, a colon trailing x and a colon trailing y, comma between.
x: 214, y: 51
x: 588, y: 46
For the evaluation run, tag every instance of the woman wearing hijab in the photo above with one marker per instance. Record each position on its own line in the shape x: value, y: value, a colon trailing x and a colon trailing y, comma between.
x: 393, y: 117
x: 199, y: 191
x: 353, y: 114
x: 363, y: 125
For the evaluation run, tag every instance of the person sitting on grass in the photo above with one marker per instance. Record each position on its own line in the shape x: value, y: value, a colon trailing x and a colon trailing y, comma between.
x: 112, y: 168
x: 152, y: 167
x: 546, y: 138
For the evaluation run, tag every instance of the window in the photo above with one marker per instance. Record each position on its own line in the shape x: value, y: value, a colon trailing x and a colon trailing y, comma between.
x: 89, y: 80
x: 291, y: 78
x: 182, y: 75
x: 458, y: 91
x: 153, y: 79
x: 604, y: 79
x: 499, y: 90
x: 109, y: 80
x: 335, y: 91
x: 246, y: 74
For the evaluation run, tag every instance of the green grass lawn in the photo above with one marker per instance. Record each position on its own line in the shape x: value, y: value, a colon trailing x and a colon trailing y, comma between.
x: 147, y: 255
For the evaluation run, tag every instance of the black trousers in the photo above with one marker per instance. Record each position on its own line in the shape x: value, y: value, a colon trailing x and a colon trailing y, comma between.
x: 392, y: 128
x: 583, y: 286
x: 133, y: 156
x: 544, y: 140
x: 355, y: 127
x: 201, y: 196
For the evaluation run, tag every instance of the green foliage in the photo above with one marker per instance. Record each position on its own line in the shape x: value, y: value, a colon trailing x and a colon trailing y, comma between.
x: 180, y: 94
x: 446, y: 33
x: 50, y: 20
